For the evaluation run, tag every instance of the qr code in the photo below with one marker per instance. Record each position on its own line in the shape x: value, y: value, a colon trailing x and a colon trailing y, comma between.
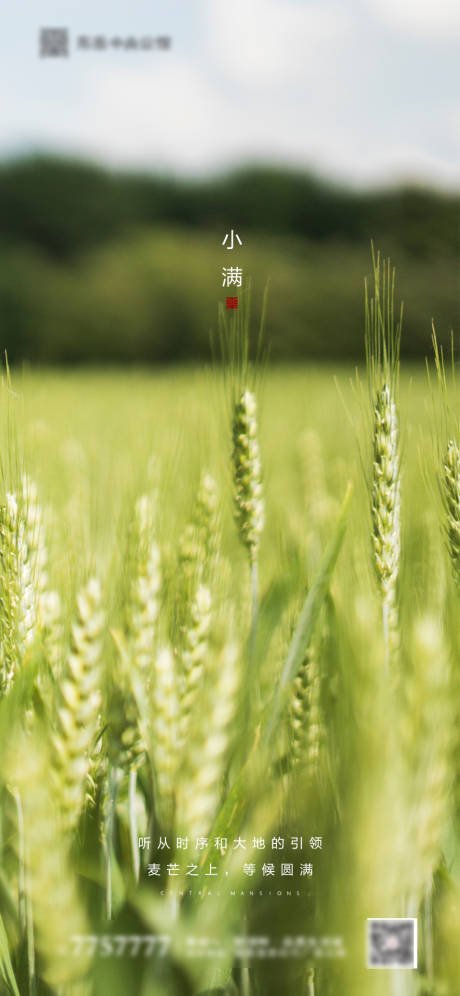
x: 392, y: 943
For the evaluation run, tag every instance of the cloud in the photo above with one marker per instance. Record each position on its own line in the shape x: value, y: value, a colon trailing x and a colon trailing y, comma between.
x: 439, y: 19
x: 171, y: 115
x: 163, y: 115
x: 260, y: 43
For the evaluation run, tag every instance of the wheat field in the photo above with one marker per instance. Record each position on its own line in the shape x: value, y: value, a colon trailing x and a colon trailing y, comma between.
x: 230, y: 617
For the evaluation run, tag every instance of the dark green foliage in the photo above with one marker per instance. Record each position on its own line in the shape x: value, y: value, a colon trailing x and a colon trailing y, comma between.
x: 64, y: 206
x: 111, y: 267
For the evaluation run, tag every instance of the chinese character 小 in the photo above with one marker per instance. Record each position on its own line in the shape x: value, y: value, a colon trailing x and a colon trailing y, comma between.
x: 231, y: 244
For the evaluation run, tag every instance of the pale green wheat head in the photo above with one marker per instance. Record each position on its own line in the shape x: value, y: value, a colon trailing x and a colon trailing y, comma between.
x: 193, y: 655
x: 79, y: 706
x: 48, y: 607
x: 427, y: 745
x: 162, y: 734
x: 201, y: 778
x: 247, y: 470
x: 126, y: 745
x: 385, y: 494
x: 57, y: 912
x: 198, y: 547
x: 145, y: 589
x: 382, y: 353
x: 17, y: 596
x: 306, y: 714
x: 451, y: 493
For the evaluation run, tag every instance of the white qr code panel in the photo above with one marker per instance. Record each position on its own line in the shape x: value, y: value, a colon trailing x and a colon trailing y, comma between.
x: 392, y: 943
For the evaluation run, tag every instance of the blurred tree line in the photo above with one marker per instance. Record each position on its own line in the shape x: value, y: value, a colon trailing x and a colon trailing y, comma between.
x: 109, y: 266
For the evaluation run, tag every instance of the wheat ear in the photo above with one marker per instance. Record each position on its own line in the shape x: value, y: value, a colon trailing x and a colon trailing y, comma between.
x: 142, y: 630
x: 320, y: 506
x: 386, y: 509
x: 428, y: 736
x: 164, y: 733
x: 306, y: 716
x: 48, y: 607
x: 17, y: 597
x: 451, y: 492
x: 192, y: 659
x: 35, y: 535
x: 57, y: 913
x: 248, y: 493
x: 126, y: 746
x: 79, y: 706
x: 249, y: 504
x: 145, y: 589
x: 198, y: 544
x: 201, y: 780
x: 382, y: 352
x: 428, y: 743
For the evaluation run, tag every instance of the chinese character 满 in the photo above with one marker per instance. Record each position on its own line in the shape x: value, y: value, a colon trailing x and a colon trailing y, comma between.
x: 231, y: 275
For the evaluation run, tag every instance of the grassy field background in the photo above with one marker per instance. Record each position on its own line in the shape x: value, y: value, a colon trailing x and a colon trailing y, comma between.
x: 115, y: 428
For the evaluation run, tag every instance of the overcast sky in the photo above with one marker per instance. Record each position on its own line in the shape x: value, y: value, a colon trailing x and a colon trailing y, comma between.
x: 364, y: 90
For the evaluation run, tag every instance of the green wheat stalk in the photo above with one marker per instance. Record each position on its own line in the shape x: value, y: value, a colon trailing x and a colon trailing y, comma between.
x: 382, y: 339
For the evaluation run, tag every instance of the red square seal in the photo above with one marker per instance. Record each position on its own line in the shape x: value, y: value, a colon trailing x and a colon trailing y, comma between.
x: 232, y: 302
